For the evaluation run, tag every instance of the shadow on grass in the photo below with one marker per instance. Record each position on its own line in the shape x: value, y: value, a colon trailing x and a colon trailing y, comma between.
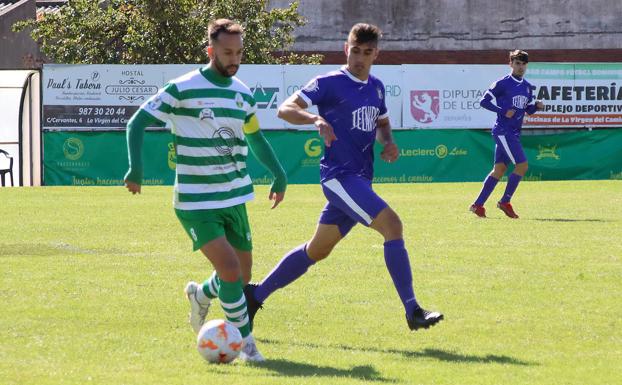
x: 443, y: 355
x: 438, y: 354
x: 568, y: 220
x: 299, y: 369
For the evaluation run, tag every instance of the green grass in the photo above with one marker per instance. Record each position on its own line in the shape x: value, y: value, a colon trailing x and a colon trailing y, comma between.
x: 91, y: 290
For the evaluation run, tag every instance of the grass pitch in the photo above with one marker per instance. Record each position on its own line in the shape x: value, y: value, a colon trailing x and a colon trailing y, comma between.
x: 91, y: 290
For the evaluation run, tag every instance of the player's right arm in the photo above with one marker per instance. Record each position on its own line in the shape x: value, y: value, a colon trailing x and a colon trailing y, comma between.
x: 495, y: 91
x: 294, y: 111
x: 153, y: 113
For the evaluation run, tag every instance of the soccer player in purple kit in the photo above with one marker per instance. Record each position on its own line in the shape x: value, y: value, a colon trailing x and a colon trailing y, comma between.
x: 514, y: 97
x: 352, y: 116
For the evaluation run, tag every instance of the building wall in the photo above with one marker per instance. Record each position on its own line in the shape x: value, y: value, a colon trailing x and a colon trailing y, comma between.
x: 19, y: 51
x: 464, y: 24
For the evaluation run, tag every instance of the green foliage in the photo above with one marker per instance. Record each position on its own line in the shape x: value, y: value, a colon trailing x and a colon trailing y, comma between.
x: 162, y: 31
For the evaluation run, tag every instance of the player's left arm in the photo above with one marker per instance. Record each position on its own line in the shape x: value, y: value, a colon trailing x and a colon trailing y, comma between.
x: 384, y: 136
x: 266, y: 156
x: 533, y: 107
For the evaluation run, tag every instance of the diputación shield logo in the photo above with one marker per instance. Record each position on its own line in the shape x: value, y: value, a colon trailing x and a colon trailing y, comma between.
x: 425, y: 105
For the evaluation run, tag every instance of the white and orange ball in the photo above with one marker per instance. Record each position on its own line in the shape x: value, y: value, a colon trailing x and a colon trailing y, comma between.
x: 219, y: 341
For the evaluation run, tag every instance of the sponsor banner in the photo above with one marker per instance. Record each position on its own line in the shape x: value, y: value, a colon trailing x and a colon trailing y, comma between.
x: 266, y: 83
x: 104, y: 97
x: 392, y: 78
x: 578, y: 155
x: 447, y: 96
x: 468, y: 156
x: 100, y: 159
x: 92, y: 97
x: 577, y: 95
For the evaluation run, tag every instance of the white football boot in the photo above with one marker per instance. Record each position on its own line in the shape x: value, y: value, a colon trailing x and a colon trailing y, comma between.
x: 249, y: 352
x: 198, y: 311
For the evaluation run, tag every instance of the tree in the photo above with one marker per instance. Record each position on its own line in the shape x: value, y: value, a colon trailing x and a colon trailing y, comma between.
x: 162, y: 31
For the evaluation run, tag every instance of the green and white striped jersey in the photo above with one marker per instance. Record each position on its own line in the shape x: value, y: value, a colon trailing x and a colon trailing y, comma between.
x: 207, y: 115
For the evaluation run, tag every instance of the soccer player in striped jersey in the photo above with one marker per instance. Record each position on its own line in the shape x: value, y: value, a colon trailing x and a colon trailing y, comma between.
x: 352, y: 116
x: 212, y: 115
x: 514, y: 97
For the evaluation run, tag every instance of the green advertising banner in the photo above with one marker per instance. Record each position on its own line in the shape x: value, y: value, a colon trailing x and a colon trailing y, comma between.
x: 100, y: 158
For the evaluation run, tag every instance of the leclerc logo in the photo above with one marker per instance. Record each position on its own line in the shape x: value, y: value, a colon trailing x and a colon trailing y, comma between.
x: 266, y: 97
x: 424, y: 105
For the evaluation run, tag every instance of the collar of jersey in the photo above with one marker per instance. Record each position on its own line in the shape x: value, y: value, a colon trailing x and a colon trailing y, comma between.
x: 215, y: 77
x: 516, y: 80
x: 344, y: 69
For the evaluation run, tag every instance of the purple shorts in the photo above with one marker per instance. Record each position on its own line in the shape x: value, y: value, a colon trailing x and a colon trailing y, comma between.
x: 350, y: 200
x: 508, y: 149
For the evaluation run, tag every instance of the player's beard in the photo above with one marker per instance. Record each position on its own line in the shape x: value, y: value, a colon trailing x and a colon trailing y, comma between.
x: 224, y: 71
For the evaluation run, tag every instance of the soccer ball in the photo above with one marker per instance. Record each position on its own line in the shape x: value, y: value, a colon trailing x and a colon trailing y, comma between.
x: 219, y: 341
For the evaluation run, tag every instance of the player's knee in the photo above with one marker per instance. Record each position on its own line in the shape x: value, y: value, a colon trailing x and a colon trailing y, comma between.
x: 394, y: 229
x: 389, y: 224
x: 318, y: 252
x: 229, y: 270
x: 522, y: 168
x: 499, y: 170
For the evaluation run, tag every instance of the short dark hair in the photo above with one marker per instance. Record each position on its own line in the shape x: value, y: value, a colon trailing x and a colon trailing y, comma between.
x: 216, y: 27
x: 518, y: 54
x: 365, y: 33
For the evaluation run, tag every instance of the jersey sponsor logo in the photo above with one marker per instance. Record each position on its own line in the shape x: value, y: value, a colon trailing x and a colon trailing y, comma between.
x: 312, y: 86
x: 365, y: 118
x: 206, y: 113
x: 239, y: 100
x: 380, y: 94
x: 155, y: 103
x: 266, y: 97
x: 520, y: 101
x: 224, y: 133
x: 424, y: 105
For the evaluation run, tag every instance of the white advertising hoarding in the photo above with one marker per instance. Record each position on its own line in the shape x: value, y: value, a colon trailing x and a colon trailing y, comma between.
x: 100, y: 96
x: 104, y: 97
x: 266, y: 84
x: 447, y: 96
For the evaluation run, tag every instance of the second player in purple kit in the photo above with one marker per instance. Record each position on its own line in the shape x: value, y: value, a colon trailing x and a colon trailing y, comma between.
x: 514, y: 97
x: 352, y: 117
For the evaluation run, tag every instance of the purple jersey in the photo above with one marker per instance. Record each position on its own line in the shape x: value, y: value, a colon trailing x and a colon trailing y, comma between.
x: 511, y: 93
x: 352, y: 107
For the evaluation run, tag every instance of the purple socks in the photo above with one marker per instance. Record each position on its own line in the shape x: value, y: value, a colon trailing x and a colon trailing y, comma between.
x: 510, y: 188
x: 489, y: 185
x: 398, y: 264
x: 293, y: 265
